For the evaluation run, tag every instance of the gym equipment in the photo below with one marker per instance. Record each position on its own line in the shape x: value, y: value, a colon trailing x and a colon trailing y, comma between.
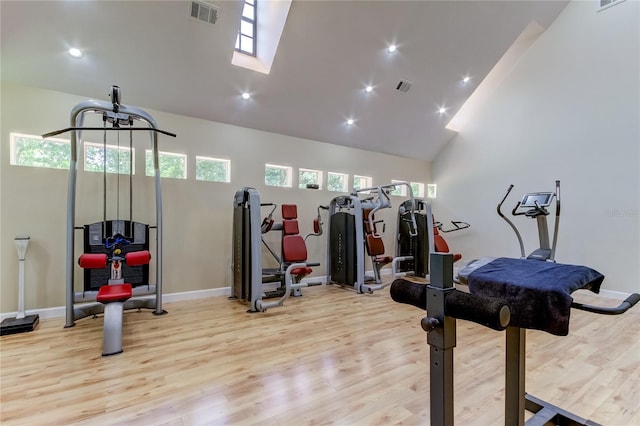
x: 412, y: 251
x: 21, y: 323
x: 317, y: 223
x: 107, y: 233
x: 536, y: 204
x: 247, y: 257
x: 350, y: 217
x: 117, y: 292
x: 519, y: 281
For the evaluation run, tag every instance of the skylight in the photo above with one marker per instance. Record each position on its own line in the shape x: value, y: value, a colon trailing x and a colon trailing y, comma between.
x: 268, y: 23
x: 247, y: 35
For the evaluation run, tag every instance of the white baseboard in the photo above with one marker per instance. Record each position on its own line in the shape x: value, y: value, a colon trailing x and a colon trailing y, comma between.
x: 59, y: 311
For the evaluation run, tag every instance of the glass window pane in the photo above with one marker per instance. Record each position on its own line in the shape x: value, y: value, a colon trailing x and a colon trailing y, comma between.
x: 171, y: 165
x: 337, y: 182
x: 246, y: 44
x: 249, y: 12
x: 360, y: 182
x: 277, y: 175
x: 432, y: 190
x: 118, y: 159
x: 33, y: 151
x: 246, y: 28
x: 418, y: 189
x: 400, y: 190
x: 212, y: 169
x: 306, y: 177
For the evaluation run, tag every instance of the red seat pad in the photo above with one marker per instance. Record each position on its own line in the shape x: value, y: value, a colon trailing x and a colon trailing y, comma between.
x: 137, y: 258
x: 93, y: 260
x: 301, y: 271
x: 114, y: 293
x: 383, y: 259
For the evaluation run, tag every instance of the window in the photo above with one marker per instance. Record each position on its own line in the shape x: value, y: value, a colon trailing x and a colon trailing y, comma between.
x: 213, y: 169
x: 246, y: 40
x: 171, y: 165
x: 431, y: 190
x: 33, y: 151
x: 337, y: 182
x: 277, y: 175
x: 418, y: 189
x: 360, y: 182
x: 309, y: 177
x: 400, y: 190
x: 118, y: 159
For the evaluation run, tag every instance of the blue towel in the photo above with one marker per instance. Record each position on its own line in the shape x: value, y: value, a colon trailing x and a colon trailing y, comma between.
x: 538, y: 293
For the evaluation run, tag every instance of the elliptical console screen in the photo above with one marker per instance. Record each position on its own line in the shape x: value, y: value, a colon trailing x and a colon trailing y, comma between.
x: 543, y: 199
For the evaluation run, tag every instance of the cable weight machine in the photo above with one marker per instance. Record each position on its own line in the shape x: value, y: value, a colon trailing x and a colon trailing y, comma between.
x: 121, y: 118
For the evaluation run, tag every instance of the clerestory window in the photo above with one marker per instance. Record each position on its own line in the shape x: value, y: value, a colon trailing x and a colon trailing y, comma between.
x: 246, y: 41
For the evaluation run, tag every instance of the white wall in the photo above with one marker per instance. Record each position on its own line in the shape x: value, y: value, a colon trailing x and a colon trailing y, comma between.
x: 197, y: 215
x: 569, y: 110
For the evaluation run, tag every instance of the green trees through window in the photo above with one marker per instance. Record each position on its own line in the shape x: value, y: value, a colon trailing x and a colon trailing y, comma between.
x: 118, y: 160
x: 277, y: 175
x: 28, y: 150
x: 171, y: 165
x: 213, y: 169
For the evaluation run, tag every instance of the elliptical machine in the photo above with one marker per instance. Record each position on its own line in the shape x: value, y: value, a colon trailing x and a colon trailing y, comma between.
x: 536, y: 204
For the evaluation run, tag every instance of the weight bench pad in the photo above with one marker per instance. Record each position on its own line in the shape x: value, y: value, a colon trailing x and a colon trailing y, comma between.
x: 538, y: 293
x: 114, y: 293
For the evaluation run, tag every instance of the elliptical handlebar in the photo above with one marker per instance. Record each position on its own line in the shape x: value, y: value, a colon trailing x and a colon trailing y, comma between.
x: 556, y: 222
x: 522, y: 254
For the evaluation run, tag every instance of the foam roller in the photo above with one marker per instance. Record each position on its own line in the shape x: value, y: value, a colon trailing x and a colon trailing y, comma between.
x: 137, y: 258
x: 93, y: 260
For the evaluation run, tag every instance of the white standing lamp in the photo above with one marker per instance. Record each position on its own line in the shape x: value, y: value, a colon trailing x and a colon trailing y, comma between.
x: 21, y: 322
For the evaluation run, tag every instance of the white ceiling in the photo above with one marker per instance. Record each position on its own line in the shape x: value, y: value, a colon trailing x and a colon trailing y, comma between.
x: 165, y: 60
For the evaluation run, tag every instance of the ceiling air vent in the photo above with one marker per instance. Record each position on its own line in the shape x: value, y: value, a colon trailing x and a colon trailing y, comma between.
x: 403, y: 86
x: 204, y: 11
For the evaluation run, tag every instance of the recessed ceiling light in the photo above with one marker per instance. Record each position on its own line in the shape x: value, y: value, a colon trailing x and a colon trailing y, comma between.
x: 392, y: 48
x: 75, y: 52
x: 368, y: 89
x: 246, y: 95
x: 442, y: 110
x: 350, y: 122
x: 466, y: 79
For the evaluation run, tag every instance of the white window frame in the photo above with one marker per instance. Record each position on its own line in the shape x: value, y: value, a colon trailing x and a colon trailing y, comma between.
x: 420, y: 192
x: 215, y: 160
x: 318, y: 174
x: 12, y: 149
x: 345, y: 181
x: 168, y: 154
x: 368, y: 182
x: 253, y: 22
x: 288, y: 179
x: 401, y: 190
x: 432, y: 190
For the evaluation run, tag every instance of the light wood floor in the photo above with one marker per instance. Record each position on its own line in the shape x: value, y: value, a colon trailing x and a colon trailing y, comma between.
x: 330, y: 357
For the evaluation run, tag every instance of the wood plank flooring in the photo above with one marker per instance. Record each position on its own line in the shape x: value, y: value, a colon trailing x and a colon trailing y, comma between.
x: 329, y: 357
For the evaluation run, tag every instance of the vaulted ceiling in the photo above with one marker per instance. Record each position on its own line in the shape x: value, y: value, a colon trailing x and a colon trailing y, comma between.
x: 164, y: 59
